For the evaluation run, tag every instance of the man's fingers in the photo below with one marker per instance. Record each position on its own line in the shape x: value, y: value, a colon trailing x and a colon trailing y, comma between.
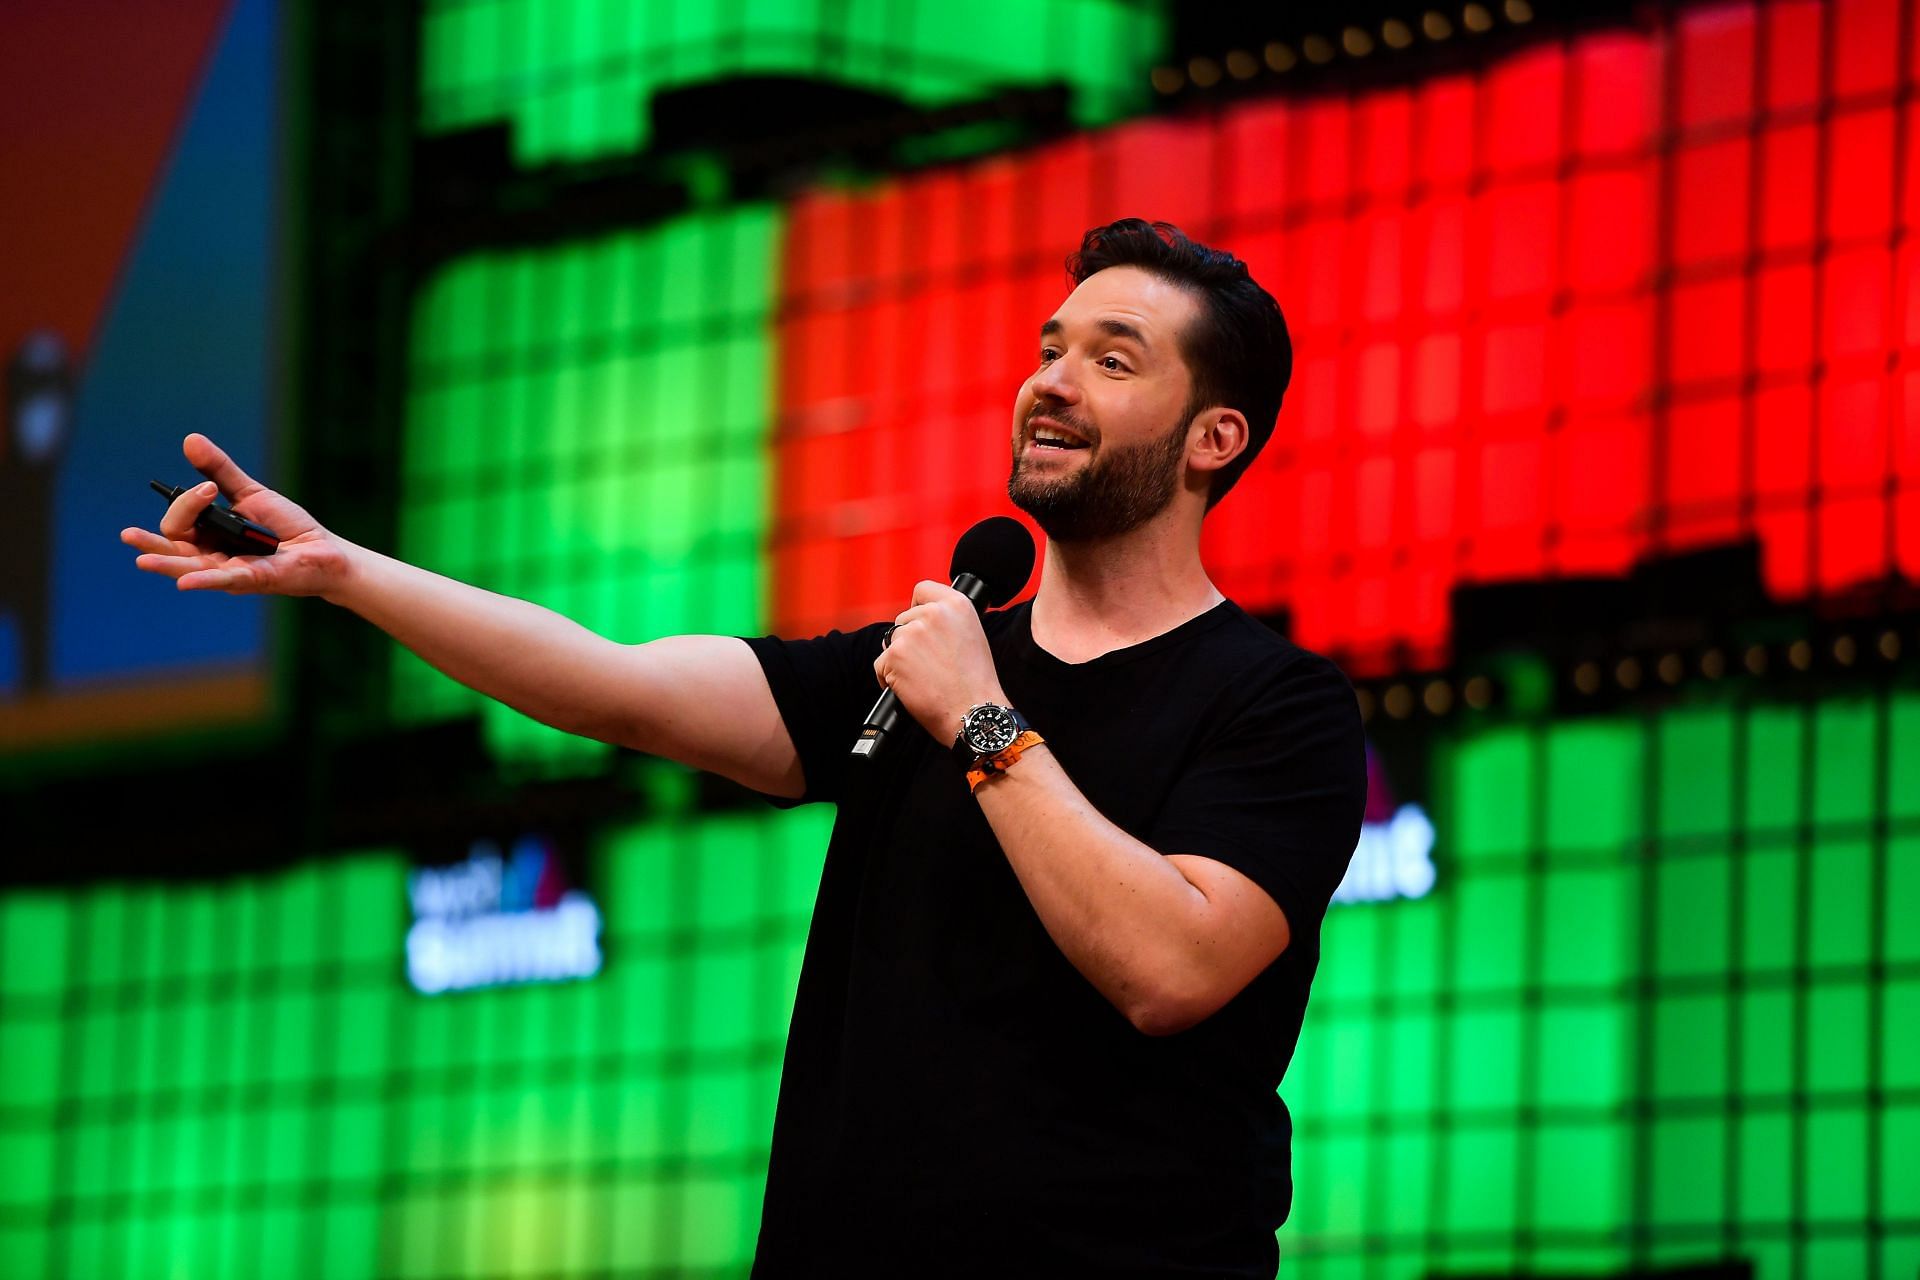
x: 927, y: 611
x: 172, y: 566
x: 926, y: 591
x: 222, y: 579
x: 183, y: 510
x: 142, y: 540
x: 211, y: 461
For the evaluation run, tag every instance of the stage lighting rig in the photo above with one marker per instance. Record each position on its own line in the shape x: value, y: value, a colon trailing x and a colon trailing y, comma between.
x: 1266, y: 47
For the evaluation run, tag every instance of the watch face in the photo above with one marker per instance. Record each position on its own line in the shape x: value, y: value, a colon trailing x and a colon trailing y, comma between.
x: 990, y: 729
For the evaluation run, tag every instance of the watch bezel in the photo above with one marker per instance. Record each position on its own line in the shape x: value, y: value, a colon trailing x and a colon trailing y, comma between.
x: 1001, y: 721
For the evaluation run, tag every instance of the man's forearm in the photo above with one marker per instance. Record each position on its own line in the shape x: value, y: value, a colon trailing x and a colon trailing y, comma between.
x: 1163, y: 949
x: 528, y: 657
x: 700, y: 700
x: 1167, y: 939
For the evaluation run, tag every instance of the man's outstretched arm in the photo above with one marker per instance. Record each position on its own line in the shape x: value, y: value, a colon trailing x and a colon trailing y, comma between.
x: 700, y: 700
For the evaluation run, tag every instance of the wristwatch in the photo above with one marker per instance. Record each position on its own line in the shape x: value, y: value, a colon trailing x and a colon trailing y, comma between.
x: 991, y: 738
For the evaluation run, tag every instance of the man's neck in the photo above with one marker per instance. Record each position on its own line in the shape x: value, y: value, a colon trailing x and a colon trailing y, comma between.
x: 1096, y: 597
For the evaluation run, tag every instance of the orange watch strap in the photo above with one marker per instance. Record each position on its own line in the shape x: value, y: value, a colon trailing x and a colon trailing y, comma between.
x: 1001, y: 760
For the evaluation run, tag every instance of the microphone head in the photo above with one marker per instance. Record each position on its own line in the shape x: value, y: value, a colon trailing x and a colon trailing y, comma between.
x: 998, y: 551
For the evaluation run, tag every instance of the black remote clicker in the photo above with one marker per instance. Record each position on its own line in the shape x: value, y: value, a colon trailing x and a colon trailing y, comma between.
x: 226, y: 529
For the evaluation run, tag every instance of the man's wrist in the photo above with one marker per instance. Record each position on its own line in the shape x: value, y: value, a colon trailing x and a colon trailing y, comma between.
x: 1001, y: 761
x: 987, y: 729
x: 353, y: 568
x: 958, y: 720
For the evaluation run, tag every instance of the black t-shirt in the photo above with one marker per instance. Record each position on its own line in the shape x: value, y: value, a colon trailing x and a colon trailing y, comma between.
x: 957, y: 1098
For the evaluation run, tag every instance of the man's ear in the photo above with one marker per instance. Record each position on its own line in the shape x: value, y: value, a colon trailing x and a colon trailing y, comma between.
x: 1217, y: 437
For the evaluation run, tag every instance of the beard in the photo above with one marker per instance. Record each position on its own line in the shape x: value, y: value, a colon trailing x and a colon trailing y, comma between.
x: 1122, y: 489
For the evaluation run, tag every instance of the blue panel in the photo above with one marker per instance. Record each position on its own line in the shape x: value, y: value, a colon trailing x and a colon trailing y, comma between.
x: 185, y: 345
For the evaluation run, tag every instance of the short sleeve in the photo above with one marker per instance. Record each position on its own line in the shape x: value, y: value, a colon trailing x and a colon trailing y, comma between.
x: 824, y: 688
x: 1279, y: 790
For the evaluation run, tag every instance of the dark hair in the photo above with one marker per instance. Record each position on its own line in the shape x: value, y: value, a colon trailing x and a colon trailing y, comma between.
x: 1238, y: 350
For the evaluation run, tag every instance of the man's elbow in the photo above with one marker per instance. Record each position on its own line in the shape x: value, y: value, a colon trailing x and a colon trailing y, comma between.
x: 1192, y: 972
x: 1170, y: 1008
x: 1176, y: 998
x: 1165, y: 1020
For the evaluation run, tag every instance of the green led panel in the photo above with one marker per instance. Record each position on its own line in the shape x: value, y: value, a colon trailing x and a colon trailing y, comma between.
x: 232, y: 1080
x: 1662, y: 1006
x: 574, y: 76
x: 585, y: 429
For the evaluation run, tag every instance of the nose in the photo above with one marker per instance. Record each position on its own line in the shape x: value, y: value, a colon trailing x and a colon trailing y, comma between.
x: 1053, y: 381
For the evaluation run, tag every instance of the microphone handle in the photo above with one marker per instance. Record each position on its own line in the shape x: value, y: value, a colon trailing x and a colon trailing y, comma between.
x: 886, y: 709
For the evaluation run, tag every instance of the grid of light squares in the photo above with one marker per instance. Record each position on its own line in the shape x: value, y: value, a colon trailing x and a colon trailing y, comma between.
x: 574, y: 76
x: 586, y: 429
x: 1617, y: 295
x: 233, y: 1079
x: 1662, y: 1006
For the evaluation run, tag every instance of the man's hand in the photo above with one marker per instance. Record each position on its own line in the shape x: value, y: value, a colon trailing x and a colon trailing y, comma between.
x: 700, y: 700
x: 309, y: 562
x: 938, y: 662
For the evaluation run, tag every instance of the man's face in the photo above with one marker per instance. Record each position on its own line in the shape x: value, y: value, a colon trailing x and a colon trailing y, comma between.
x: 1113, y: 381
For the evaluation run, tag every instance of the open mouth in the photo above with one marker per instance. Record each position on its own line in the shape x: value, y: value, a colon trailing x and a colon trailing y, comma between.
x: 1052, y: 437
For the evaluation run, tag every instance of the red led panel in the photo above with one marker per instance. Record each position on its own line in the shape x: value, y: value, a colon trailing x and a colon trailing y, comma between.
x: 1702, y: 468
x: 1715, y: 46
x: 1866, y: 46
x: 1791, y: 76
x: 1711, y: 186
x: 1787, y: 185
x: 1860, y: 174
x: 1520, y: 117
x: 1621, y: 295
x: 1615, y: 99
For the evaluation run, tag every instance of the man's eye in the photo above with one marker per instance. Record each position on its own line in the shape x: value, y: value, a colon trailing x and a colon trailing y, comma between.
x: 1048, y: 355
x: 1111, y: 362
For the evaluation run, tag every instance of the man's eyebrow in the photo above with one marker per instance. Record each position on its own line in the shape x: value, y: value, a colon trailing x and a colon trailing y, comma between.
x: 1121, y: 329
x: 1108, y: 325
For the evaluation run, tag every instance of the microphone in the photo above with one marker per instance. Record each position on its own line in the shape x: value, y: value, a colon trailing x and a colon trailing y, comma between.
x: 991, y: 562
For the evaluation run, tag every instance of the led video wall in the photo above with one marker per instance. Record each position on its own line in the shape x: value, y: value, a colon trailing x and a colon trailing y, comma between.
x: 574, y: 78
x: 1606, y: 298
x: 1613, y: 297
x: 585, y: 428
x: 1662, y: 1007
x: 1653, y: 1011
x: 234, y: 1079
x: 1616, y: 297
x: 1609, y: 298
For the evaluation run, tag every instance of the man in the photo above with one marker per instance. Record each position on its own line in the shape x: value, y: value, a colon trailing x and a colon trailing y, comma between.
x: 1051, y: 987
